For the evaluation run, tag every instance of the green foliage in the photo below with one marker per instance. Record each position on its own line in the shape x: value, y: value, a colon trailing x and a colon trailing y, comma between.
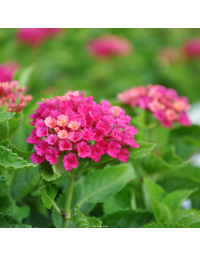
x: 94, y: 222
x: 6, y: 221
x: 8, y: 206
x: 144, y: 149
x: 79, y: 219
x: 164, y: 225
x: 127, y: 219
x: 5, y: 116
x: 48, y: 193
x: 47, y: 172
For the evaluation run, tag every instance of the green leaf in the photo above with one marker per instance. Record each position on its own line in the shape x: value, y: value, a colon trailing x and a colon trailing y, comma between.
x: 127, y: 219
x: 120, y: 201
x: 24, y: 181
x: 164, y: 225
x: 161, y: 212
x: 24, y: 75
x: 94, y: 222
x: 155, y: 191
x: 6, y: 221
x: 24, y: 154
x: 7, y: 205
x: 174, y: 199
x: 79, y: 219
x: 189, y: 218
x: 5, y: 116
x: 47, y: 172
x: 12, y: 161
x: 102, y: 184
x: 144, y: 149
x: 48, y: 193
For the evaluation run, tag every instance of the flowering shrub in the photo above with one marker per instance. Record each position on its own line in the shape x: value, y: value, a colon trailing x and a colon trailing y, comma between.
x: 10, y: 93
x: 7, y: 71
x: 36, y: 36
x: 77, y: 125
x: 164, y: 103
x: 191, y: 48
x: 108, y: 46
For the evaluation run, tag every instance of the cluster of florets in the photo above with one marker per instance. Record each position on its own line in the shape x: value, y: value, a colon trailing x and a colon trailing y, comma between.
x: 164, y: 103
x: 191, y: 48
x: 13, y: 97
x: 36, y: 36
x: 108, y: 46
x: 78, y: 126
x: 7, y: 71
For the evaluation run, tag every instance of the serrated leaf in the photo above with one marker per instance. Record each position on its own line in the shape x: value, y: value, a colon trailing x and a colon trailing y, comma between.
x: 12, y: 161
x: 189, y: 218
x: 155, y: 191
x: 8, y: 206
x: 94, y: 222
x: 161, y: 212
x: 24, y: 154
x: 48, y: 193
x: 102, y: 184
x: 6, y: 221
x: 174, y: 199
x: 164, y: 225
x: 47, y: 172
x: 5, y: 116
x: 79, y: 219
x: 127, y: 219
x: 144, y: 149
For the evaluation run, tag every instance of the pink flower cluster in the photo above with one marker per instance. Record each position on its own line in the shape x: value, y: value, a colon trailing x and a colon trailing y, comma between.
x: 36, y: 36
x: 108, y: 46
x: 164, y: 103
x: 78, y: 126
x: 7, y: 71
x: 12, y: 96
x: 191, y: 48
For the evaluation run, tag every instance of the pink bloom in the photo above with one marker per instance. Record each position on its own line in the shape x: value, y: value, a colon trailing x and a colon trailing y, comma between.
x: 83, y: 149
x: 36, y: 36
x: 41, y: 147
x: 164, y: 103
x: 65, y: 145
x: 50, y: 122
x: 76, y: 123
x: 96, y: 153
x: 36, y: 159
x: 62, y: 120
x: 114, y: 149
x: 70, y: 161
x: 87, y: 134
x: 52, y: 139
x: 191, y: 48
x: 62, y: 134
x: 7, y: 71
x: 52, y: 155
x: 42, y: 132
x: 116, y: 111
x: 13, y: 97
x: 124, y: 155
x: 108, y: 46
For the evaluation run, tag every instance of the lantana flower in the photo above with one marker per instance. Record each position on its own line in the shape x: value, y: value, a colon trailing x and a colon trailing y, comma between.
x: 80, y: 128
x: 191, y: 48
x: 164, y: 103
x: 36, y: 36
x: 7, y: 71
x: 108, y: 46
x: 13, y: 97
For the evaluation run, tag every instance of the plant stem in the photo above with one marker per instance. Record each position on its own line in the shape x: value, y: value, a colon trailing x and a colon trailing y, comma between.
x: 68, y: 201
